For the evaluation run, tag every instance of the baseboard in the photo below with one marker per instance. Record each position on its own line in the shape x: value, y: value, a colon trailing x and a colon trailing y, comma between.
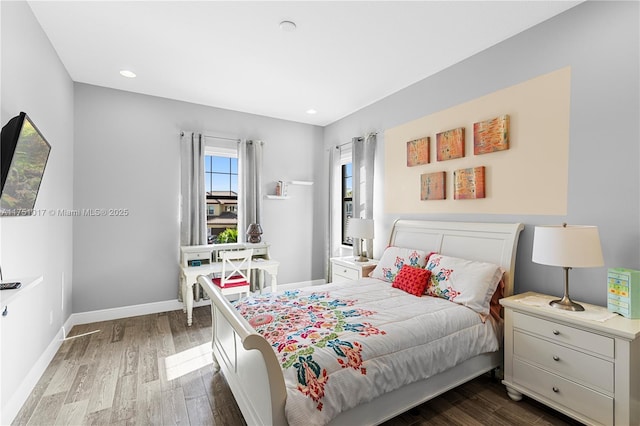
x: 20, y: 395
x: 127, y: 311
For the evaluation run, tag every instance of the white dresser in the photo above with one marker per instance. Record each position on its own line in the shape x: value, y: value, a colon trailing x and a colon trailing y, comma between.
x: 571, y: 361
x: 347, y: 269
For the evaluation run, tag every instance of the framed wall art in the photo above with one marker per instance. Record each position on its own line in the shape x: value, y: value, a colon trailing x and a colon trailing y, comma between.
x: 450, y: 144
x: 432, y: 186
x: 418, y: 152
x: 468, y: 183
x: 491, y: 135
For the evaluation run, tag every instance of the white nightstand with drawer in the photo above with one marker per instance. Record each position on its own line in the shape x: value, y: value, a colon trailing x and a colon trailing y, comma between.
x: 347, y: 269
x: 571, y: 361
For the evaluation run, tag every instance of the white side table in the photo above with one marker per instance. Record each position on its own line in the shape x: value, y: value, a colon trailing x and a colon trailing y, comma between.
x: 347, y: 269
x: 575, y: 362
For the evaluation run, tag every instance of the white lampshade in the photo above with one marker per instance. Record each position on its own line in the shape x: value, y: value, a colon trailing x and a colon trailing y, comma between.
x: 567, y: 246
x: 360, y: 228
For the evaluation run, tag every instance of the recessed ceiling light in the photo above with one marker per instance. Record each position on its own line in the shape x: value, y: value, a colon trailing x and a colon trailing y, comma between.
x: 288, y: 26
x: 311, y: 111
x: 128, y: 74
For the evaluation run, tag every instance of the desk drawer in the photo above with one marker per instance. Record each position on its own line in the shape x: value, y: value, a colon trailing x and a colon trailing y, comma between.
x: 584, y: 368
x: 564, y: 334
x: 575, y: 397
x: 260, y: 252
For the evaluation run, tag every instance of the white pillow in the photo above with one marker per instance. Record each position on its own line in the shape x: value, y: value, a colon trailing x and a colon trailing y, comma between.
x: 392, y: 260
x: 462, y: 281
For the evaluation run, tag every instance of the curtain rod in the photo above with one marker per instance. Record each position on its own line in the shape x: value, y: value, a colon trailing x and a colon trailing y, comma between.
x: 219, y: 137
x: 366, y: 136
x: 215, y: 137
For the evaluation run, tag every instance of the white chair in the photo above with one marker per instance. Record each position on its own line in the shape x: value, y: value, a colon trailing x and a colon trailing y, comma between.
x: 236, y: 272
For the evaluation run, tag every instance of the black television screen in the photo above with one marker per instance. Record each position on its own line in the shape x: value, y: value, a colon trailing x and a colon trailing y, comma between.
x: 23, y: 157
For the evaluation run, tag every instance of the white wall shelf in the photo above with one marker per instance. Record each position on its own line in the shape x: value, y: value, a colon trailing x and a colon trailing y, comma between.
x: 290, y: 182
x: 7, y: 296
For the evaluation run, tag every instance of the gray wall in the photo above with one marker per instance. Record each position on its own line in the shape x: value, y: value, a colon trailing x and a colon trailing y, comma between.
x: 127, y: 156
x: 600, y: 41
x: 34, y: 81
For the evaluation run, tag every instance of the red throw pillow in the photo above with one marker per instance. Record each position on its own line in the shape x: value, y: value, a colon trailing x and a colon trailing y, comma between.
x: 412, y: 280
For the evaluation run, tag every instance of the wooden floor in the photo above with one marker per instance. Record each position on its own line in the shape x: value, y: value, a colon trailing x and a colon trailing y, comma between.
x: 153, y: 370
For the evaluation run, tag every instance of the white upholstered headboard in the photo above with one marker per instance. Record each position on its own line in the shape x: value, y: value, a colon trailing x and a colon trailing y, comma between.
x: 487, y: 242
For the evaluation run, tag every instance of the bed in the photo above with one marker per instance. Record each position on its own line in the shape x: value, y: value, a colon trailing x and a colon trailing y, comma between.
x: 254, y: 366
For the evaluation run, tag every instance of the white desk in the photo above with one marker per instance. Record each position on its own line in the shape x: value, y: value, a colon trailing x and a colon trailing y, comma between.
x: 189, y: 276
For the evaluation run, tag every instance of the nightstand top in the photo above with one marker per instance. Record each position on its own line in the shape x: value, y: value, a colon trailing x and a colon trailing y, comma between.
x: 592, y: 317
x: 350, y: 260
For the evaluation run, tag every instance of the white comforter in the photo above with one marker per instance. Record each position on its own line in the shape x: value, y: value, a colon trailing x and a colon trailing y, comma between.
x: 344, y: 344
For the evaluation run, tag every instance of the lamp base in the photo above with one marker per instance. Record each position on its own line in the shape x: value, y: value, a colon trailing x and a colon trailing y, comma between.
x: 361, y: 259
x: 566, y: 304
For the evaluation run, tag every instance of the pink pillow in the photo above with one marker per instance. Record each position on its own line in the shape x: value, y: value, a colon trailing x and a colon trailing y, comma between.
x: 412, y: 280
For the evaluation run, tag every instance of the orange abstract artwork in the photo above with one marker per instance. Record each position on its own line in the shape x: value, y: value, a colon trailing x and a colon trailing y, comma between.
x: 432, y: 186
x: 491, y: 135
x: 468, y: 183
x: 450, y: 144
x: 418, y: 152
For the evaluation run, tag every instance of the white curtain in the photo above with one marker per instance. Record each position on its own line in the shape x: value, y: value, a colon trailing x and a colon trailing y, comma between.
x: 249, y: 185
x: 193, y: 217
x: 334, y: 239
x: 193, y: 214
x: 364, y: 155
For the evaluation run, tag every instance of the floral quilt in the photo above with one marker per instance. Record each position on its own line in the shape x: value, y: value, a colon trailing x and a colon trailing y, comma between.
x: 341, y: 345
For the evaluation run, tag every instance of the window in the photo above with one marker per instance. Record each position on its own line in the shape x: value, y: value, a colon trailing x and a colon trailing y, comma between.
x: 221, y: 174
x: 347, y: 200
x: 221, y: 191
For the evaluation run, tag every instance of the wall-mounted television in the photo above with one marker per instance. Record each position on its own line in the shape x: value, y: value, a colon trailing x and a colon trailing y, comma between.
x: 23, y: 156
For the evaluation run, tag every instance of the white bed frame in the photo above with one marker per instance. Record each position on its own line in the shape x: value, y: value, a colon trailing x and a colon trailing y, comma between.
x: 253, y: 372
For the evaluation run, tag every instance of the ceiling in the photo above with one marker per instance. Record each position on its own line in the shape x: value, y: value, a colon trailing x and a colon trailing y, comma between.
x: 342, y: 56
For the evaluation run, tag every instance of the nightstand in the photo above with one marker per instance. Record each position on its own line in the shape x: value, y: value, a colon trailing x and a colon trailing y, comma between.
x: 347, y: 269
x: 574, y: 362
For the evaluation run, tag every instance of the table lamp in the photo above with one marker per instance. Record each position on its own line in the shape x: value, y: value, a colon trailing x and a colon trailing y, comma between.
x: 568, y: 247
x: 363, y: 229
x: 254, y: 233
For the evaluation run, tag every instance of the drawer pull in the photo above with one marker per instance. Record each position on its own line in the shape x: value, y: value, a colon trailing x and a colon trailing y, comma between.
x: 556, y: 332
x: 556, y: 358
x: 555, y: 389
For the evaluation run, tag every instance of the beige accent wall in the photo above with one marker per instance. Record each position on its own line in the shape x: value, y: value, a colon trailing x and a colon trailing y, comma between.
x: 528, y: 178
